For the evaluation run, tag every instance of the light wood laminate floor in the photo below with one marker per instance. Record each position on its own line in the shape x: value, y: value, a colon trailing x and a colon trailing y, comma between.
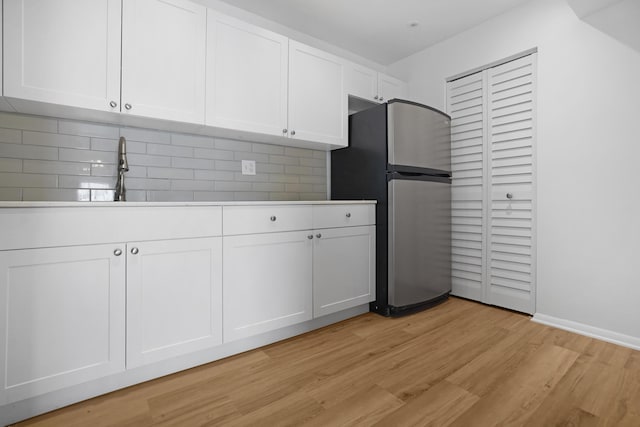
x: 458, y: 364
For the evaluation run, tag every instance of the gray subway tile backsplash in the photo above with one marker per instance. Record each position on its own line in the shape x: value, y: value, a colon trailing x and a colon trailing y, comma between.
x: 88, y: 129
x: 11, y: 136
x: 21, y: 151
x: 56, y: 167
x: 195, y: 141
x: 17, y: 121
x: 46, y: 159
x: 10, y: 194
x: 55, y: 140
x: 11, y: 165
x: 27, y: 180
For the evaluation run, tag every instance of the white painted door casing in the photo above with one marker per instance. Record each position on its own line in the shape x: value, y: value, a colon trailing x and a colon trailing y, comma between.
x: 344, y: 265
x: 317, y: 99
x: 174, y: 298
x: 163, y: 59
x: 70, y: 303
x: 247, y: 76
x: 78, y: 67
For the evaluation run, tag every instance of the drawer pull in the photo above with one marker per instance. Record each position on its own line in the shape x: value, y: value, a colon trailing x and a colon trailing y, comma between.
x: 273, y: 218
x: 134, y: 251
x: 348, y: 214
x: 318, y: 235
x: 310, y: 236
x: 117, y: 252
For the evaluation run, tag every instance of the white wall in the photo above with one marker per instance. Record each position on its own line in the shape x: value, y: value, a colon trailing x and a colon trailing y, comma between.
x: 588, y: 147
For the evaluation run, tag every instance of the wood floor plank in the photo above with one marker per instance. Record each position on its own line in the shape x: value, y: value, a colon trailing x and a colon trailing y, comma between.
x: 291, y: 410
x: 364, y: 408
x: 460, y: 364
x: 519, y: 396
x: 438, y: 406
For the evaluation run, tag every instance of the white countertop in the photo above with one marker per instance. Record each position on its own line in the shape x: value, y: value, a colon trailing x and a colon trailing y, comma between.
x: 172, y: 204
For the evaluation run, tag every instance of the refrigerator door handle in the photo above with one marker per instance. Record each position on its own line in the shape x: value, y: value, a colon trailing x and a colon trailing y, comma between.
x: 412, y: 176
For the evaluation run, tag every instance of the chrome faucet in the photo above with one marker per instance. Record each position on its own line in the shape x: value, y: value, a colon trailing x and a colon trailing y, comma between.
x: 120, y: 194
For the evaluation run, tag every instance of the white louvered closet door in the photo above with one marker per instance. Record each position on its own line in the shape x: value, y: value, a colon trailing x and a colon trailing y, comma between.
x: 467, y: 108
x: 492, y: 159
x: 511, y: 89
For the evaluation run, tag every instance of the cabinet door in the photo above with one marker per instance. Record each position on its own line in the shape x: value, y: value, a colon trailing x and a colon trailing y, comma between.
x: 390, y: 88
x: 174, y: 298
x: 63, y: 314
x: 362, y: 82
x: 267, y: 282
x: 344, y: 268
x: 247, y: 76
x: 317, y: 99
x: 163, y: 59
x: 63, y: 52
x: 4, y: 105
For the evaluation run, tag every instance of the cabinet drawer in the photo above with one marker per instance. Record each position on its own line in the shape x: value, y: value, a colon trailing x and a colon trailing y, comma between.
x: 343, y: 216
x: 265, y: 219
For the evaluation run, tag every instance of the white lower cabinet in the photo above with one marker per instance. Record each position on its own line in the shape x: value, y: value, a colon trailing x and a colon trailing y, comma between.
x: 81, y: 310
x: 275, y: 278
x: 344, y: 268
x: 72, y: 302
x: 174, y: 298
x: 62, y: 319
x: 267, y: 282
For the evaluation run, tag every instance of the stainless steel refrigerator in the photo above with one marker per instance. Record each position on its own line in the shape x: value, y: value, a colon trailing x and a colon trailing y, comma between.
x: 399, y: 153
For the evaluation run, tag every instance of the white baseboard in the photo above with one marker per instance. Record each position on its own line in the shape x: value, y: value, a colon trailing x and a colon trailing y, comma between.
x: 589, y: 331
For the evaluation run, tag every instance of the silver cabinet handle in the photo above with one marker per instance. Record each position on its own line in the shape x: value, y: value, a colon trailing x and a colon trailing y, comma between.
x: 134, y: 251
x: 348, y: 215
x: 509, y: 196
x: 293, y: 132
x: 381, y: 99
x: 375, y: 97
x: 285, y: 130
x: 273, y: 218
x: 318, y: 235
x: 117, y: 252
x: 127, y: 106
x: 310, y: 236
x: 113, y: 104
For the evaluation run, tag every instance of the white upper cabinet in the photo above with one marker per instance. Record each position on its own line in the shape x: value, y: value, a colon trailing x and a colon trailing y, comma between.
x: 368, y: 84
x: 4, y: 105
x: 247, y: 76
x: 63, y: 52
x: 317, y: 99
x: 163, y: 59
x: 390, y: 87
x: 362, y: 82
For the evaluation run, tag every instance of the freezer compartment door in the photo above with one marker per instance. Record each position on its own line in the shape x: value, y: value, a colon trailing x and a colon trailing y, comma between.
x: 419, y: 241
x: 418, y: 137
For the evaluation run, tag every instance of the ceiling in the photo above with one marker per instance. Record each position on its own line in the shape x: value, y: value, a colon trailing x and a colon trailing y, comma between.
x: 617, y: 18
x: 379, y: 30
